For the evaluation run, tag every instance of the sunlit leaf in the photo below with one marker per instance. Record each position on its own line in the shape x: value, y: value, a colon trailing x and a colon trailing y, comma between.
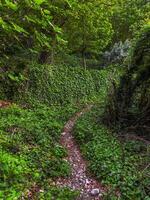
x: 19, y: 28
x: 11, y: 5
x: 39, y: 2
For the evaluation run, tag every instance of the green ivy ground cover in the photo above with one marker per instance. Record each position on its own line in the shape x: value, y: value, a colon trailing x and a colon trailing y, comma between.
x: 30, y: 152
x: 116, y: 164
x: 62, y: 85
x: 29, y: 137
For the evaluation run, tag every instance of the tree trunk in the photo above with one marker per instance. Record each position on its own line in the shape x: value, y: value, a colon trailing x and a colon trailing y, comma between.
x: 43, y: 57
x: 52, y: 55
x: 84, y: 44
x: 84, y: 60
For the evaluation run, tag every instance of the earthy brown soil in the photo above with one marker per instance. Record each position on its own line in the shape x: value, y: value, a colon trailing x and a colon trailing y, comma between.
x: 4, y: 104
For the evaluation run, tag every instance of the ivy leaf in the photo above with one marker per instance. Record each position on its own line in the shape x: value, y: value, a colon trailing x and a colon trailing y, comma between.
x: 39, y: 2
x: 11, y: 5
x: 61, y: 40
x: 30, y: 19
x: 19, y: 28
x: 57, y: 29
x: 12, y: 77
x: 1, y: 21
x: 69, y: 3
x: 46, y: 11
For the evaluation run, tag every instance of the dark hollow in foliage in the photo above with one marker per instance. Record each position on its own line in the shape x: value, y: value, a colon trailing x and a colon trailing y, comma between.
x: 130, y: 105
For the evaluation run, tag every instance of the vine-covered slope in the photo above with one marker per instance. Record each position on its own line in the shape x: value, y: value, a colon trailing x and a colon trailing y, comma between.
x: 59, y: 85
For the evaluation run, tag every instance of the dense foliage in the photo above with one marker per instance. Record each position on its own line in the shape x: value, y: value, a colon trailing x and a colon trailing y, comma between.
x: 30, y: 153
x: 33, y: 27
x: 129, y: 17
x: 56, y: 56
x: 42, y: 28
x: 117, y: 163
x: 130, y: 106
x: 58, y: 85
x: 31, y: 156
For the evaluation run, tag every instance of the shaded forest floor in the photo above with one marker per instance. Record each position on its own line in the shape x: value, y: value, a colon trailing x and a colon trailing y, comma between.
x: 88, y: 187
x: 41, y: 158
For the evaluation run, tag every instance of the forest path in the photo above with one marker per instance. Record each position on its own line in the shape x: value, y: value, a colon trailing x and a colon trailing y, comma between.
x: 89, y: 188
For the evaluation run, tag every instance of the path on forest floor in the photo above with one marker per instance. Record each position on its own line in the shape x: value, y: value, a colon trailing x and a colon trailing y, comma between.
x: 89, y: 188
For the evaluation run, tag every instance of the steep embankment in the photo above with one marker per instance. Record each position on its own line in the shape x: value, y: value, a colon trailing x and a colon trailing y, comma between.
x: 30, y: 153
x: 59, y: 85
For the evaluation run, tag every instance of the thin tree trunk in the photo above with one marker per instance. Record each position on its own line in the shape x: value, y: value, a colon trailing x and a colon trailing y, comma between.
x: 43, y: 57
x: 52, y: 55
x: 84, y: 45
x: 84, y: 60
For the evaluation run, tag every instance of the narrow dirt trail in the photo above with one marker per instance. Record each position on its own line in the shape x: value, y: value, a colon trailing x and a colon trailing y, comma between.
x: 90, y: 189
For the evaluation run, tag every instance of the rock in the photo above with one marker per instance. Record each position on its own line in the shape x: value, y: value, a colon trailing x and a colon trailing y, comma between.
x: 118, y: 52
x: 64, y: 133
x: 95, y: 192
x: 100, y: 195
x: 87, y: 181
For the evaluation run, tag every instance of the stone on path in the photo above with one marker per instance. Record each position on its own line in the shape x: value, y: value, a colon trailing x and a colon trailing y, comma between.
x: 64, y: 133
x: 95, y: 192
x: 90, y: 189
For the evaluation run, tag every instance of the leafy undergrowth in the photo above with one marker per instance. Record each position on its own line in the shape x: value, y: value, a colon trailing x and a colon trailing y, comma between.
x: 30, y: 154
x: 121, y: 165
x: 61, y: 85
